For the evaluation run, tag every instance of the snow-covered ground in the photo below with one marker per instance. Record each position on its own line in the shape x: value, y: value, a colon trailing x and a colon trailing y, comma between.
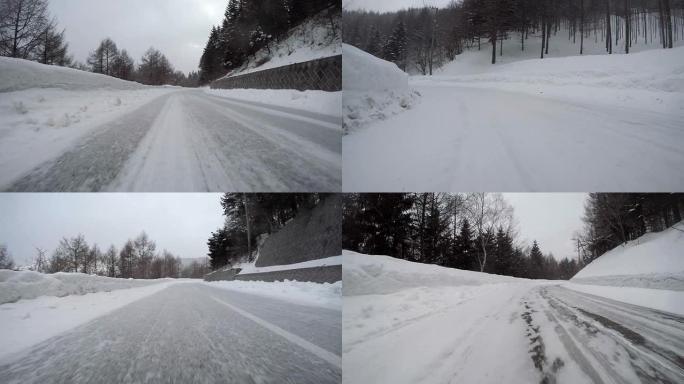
x: 557, y: 124
x: 374, y: 89
x: 415, y: 323
x: 304, y: 293
x: 247, y: 268
x: 315, y: 38
x: 24, y: 285
x: 68, y: 130
x: 327, y: 103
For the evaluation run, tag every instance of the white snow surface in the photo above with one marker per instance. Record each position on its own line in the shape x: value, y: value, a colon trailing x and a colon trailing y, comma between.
x: 558, y: 124
x: 654, y: 260
x: 305, y: 293
x: 248, y: 268
x: 28, y: 322
x: 315, y: 38
x: 24, y: 285
x: 660, y: 299
x: 375, y: 274
x: 327, y: 103
x: 374, y: 89
x: 20, y: 74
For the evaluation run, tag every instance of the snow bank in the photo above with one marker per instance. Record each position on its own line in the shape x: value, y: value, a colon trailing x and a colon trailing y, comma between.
x: 304, y: 293
x: 662, y: 300
x: 26, y: 323
x: 18, y: 285
x: 654, y: 260
x: 20, y: 74
x: 374, y: 89
x: 315, y: 38
x: 326, y: 261
x: 327, y: 103
x: 373, y: 274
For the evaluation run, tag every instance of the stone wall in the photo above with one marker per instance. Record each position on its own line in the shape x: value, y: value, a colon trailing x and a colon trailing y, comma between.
x: 322, y: 74
x: 327, y: 274
x: 313, y: 234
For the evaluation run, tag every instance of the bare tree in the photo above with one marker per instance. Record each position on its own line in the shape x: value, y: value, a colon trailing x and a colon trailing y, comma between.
x: 22, y: 23
x: 40, y: 262
x: 487, y: 212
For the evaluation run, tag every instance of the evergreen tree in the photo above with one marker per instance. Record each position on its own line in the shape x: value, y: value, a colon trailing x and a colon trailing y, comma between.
x: 536, y: 270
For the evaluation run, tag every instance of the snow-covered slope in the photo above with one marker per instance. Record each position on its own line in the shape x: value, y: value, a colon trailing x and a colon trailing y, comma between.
x: 20, y: 74
x: 374, y: 274
x: 374, y: 89
x: 315, y: 38
x: 24, y: 285
x: 654, y: 260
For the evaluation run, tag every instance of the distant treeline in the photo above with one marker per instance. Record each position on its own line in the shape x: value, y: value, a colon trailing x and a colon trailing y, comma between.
x: 138, y: 259
x: 27, y: 31
x: 473, y: 231
x: 250, y: 25
x: 249, y: 215
x: 424, y: 38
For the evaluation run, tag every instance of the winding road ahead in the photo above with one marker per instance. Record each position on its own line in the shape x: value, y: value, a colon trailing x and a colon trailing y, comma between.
x: 191, y: 333
x: 192, y: 141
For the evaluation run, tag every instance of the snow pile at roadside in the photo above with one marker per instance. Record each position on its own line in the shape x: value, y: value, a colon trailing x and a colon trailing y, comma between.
x: 659, y: 299
x: 49, y: 316
x: 373, y: 274
x: 327, y: 103
x: 326, y: 261
x: 18, y: 285
x: 315, y: 38
x: 20, y: 74
x: 374, y: 89
x: 654, y: 260
x: 304, y: 293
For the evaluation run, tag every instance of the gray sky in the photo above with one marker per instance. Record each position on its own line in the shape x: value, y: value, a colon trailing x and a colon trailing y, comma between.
x: 390, y: 5
x: 181, y: 222
x: 178, y: 28
x: 550, y: 218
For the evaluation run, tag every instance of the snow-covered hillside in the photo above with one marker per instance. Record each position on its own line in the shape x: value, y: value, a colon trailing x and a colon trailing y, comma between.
x: 654, y: 260
x: 315, y: 38
x: 374, y: 89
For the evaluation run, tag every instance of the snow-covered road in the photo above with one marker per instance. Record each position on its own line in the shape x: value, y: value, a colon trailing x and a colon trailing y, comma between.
x: 510, y: 332
x: 191, y: 141
x: 191, y: 333
x: 522, y: 137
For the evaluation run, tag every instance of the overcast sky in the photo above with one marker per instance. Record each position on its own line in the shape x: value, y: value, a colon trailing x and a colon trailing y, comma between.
x: 390, y: 5
x: 178, y: 28
x: 180, y: 223
x: 550, y: 218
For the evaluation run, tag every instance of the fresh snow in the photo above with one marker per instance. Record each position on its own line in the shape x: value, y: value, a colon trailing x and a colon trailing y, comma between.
x: 374, y: 89
x: 557, y: 124
x: 315, y: 38
x: 28, y: 322
x: 324, y: 295
x: 248, y: 268
x: 23, y: 285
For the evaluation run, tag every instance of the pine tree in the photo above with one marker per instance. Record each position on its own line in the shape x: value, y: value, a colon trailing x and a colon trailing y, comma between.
x: 536, y: 262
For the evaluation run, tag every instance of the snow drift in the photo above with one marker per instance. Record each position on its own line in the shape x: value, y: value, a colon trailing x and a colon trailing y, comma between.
x: 18, y: 285
x: 304, y: 293
x: 373, y: 274
x: 374, y: 89
x: 20, y: 74
x: 654, y: 260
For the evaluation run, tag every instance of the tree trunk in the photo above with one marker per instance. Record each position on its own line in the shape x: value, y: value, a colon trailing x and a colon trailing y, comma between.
x: 581, y: 27
x: 493, y: 39
x: 627, y: 22
x: 609, y: 40
x: 543, y: 22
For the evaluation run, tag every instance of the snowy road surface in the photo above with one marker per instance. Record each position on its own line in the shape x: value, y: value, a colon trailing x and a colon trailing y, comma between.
x: 514, y: 333
x: 514, y: 138
x: 191, y: 141
x: 191, y: 333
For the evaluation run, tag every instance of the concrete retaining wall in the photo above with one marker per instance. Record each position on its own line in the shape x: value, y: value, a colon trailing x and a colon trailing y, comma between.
x: 322, y: 74
x: 313, y: 234
x: 327, y: 274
